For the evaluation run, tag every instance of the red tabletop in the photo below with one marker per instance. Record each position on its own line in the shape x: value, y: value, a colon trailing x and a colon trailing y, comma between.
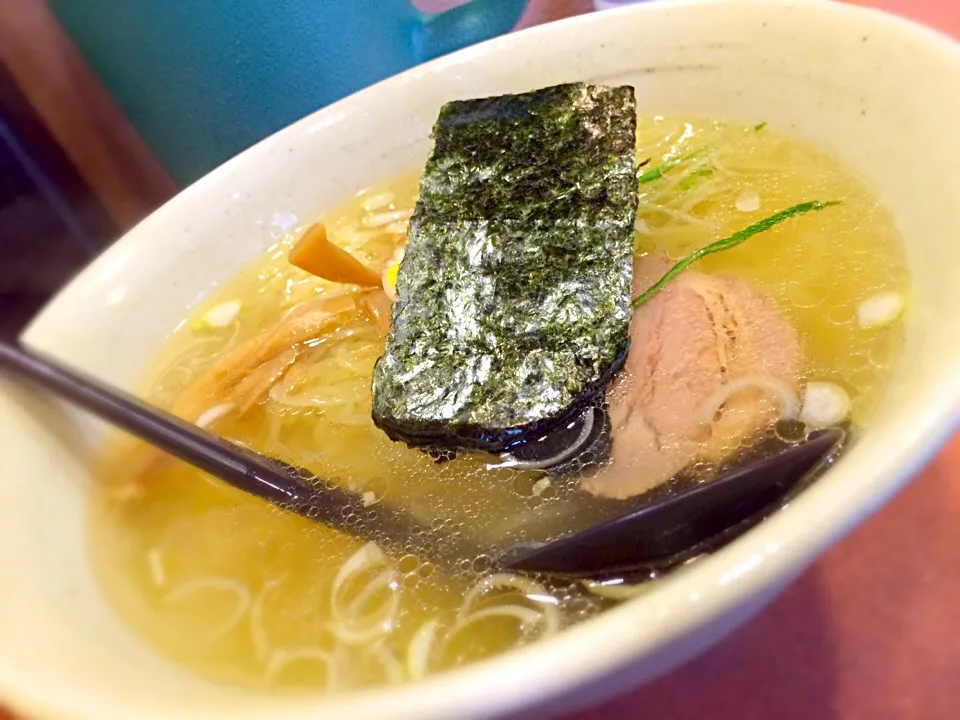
x: 872, y: 630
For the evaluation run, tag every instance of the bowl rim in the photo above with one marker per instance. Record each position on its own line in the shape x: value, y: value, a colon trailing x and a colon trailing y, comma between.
x: 732, y: 575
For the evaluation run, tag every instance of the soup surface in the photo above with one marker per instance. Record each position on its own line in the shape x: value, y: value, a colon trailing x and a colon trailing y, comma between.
x: 243, y: 593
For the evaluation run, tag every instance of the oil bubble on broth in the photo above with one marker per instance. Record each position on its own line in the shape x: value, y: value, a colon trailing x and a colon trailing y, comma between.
x: 243, y: 593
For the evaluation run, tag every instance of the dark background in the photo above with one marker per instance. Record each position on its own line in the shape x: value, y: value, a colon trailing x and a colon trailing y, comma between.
x: 51, y: 224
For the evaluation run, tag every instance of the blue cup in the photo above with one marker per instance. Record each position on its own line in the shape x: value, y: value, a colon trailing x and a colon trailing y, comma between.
x: 203, y: 79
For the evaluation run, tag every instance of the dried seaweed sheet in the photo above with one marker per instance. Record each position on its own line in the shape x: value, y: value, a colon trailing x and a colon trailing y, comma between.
x: 513, y: 298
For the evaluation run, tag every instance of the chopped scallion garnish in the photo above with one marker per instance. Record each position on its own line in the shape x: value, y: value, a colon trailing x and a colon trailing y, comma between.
x: 730, y: 242
x: 695, y: 178
x: 658, y: 172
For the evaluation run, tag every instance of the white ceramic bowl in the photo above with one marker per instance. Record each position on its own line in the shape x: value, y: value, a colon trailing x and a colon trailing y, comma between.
x: 882, y: 94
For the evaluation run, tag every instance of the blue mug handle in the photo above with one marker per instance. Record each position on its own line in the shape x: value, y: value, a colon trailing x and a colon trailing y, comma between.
x: 436, y: 34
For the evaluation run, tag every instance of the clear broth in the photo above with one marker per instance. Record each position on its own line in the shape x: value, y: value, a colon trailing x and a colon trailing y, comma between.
x: 242, y: 593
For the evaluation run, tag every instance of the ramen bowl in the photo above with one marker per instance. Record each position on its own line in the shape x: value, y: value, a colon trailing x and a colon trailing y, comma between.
x: 878, y: 92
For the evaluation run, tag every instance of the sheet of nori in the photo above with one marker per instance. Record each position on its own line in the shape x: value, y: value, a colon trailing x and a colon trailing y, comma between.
x: 513, y: 297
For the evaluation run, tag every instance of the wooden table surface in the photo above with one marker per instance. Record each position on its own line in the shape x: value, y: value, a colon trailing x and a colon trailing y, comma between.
x: 872, y: 630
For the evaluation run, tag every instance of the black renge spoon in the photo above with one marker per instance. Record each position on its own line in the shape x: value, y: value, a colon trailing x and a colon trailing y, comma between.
x: 655, y: 536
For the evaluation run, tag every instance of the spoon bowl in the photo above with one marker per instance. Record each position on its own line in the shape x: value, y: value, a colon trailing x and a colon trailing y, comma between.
x: 669, y: 531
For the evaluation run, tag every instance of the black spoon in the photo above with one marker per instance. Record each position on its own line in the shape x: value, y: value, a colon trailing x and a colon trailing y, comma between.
x: 656, y: 536
x: 666, y: 533
x: 287, y: 487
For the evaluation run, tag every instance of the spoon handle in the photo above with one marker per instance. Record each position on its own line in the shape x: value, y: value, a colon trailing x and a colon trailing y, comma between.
x: 286, y: 486
x: 234, y: 464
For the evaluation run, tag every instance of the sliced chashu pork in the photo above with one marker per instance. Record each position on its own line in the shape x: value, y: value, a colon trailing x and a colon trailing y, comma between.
x: 699, y: 338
